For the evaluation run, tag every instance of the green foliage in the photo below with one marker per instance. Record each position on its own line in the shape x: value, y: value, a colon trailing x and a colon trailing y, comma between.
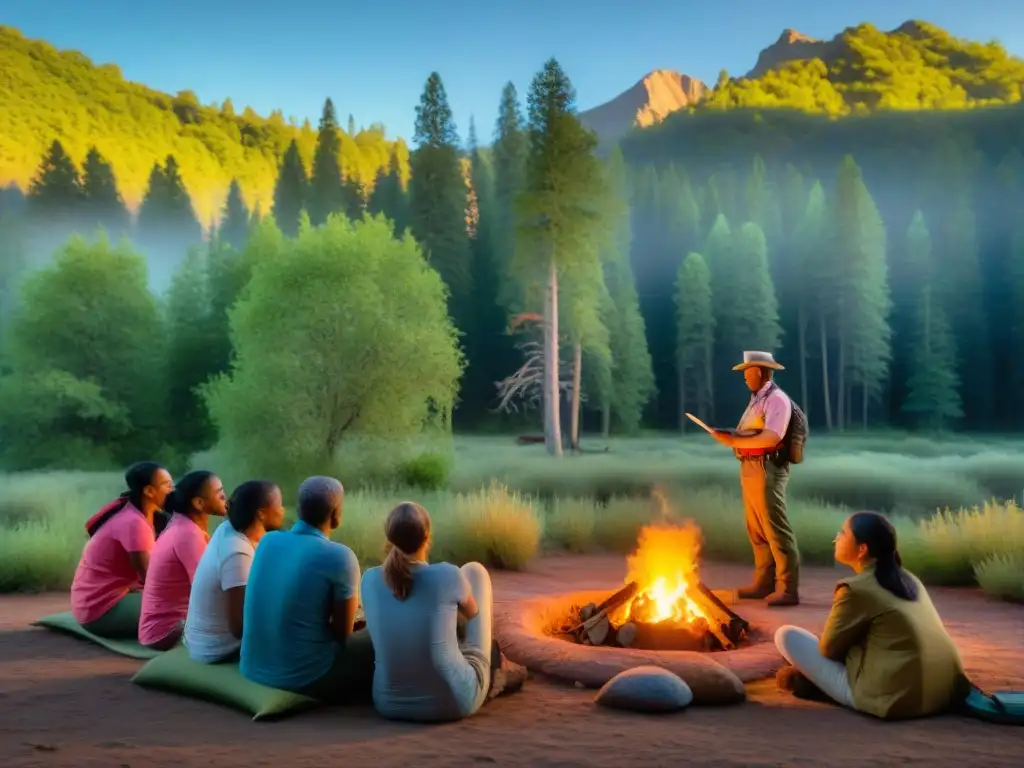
x: 437, y: 193
x: 428, y: 471
x: 917, y: 66
x: 41, y: 515
x: 326, y: 188
x: 84, y: 347
x: 933, y: 386
x: 134, y: 127
x: 342, y: 331
x: 695, y: 334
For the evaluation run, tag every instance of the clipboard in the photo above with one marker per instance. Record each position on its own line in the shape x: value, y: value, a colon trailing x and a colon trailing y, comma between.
x: 712, y: 430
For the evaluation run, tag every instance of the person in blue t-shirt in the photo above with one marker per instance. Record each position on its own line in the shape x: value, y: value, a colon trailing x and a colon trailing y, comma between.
x: 300, y: 606
x: 412, y: 613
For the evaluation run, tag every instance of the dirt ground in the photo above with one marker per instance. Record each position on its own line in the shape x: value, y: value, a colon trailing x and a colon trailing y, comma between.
x: 66, y: 703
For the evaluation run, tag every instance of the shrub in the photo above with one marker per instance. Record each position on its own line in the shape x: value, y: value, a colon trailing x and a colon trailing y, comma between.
x: 1002, y: 576
x: 496, y: 527
x: 429, y: 471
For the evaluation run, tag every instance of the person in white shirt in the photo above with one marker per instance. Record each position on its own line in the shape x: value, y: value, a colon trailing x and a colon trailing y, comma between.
x: 213, y: 625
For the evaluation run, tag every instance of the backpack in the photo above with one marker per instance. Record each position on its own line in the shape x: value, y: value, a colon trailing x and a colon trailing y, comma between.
x: 796, y: 434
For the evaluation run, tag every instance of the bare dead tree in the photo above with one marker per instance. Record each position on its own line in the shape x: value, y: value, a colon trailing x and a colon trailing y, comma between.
x: 524, y: 389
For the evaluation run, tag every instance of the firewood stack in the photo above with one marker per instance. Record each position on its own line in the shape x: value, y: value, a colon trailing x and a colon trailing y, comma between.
x: 592, y: 624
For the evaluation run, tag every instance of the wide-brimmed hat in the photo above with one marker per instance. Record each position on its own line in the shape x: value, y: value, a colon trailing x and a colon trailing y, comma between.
x: 754, y: 359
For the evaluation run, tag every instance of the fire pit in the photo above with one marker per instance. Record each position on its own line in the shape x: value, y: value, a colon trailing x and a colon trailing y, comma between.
x: 664, y: 606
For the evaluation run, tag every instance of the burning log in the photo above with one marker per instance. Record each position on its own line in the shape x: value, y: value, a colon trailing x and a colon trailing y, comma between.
x: 718, y: 628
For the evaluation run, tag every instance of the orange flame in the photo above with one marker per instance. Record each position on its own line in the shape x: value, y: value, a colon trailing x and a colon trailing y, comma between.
x: 665, y: 566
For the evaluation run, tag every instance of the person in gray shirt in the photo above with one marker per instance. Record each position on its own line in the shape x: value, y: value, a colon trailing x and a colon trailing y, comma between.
x: 412, y: 608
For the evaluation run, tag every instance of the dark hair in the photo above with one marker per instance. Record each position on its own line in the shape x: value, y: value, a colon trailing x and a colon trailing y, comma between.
x: 407, y: 530
x: 317, y: 499
x: 878, y: 534
x: 247, y: 500
x: 191, y: 486
x: 137, y: 477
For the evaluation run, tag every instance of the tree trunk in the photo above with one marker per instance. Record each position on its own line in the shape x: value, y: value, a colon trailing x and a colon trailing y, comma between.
x: 864, y: 409
x: 841, y: 390
x: 577, y: 380
x: 552, y: 402
x: 801, y: 329
x: 681, y: 378
x: 606, y: 420
x: 709, y: 375
x: 824, y: 375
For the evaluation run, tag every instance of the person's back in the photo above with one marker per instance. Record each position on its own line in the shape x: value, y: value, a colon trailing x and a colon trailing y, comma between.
x: 224, y: 565
x: 295, y: 578
x: 421, y: 672
x: 906, y: 665
x: 169, y: 582
x: 105, y: 573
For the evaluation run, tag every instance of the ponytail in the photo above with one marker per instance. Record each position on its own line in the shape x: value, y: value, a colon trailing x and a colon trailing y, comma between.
x: 101, y: 518
x: 878, y: 534
x: 891, y: 577
x: 407, y: 530
x: 398, y: 572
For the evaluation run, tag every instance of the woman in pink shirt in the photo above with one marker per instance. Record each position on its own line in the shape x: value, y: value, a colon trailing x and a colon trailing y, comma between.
x: 105, y: 593
x: 175, y: 557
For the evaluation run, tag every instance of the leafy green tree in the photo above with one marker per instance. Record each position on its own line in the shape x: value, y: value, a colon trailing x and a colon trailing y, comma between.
x: 291, y: 192
x: 754, y: 315
x: 344, y: 331
x: 86, y: 333
x: 235, y: 219
x: 695, y: 337
x: 933, y: 397
x: 326, y: 187
x: 103, y: 203
x: 437, y: 194
x: 558, y: 216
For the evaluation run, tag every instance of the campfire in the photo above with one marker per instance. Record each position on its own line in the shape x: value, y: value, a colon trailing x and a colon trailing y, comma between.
x: 664, y: 604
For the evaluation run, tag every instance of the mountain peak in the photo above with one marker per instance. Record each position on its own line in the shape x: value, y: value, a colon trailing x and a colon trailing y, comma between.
x: 791, y: 46
x: 650, y: 100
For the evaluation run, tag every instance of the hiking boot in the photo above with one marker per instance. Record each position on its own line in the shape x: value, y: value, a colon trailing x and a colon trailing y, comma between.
x: 752, y: 593
x: 792, y: 680
x: 782, y: 599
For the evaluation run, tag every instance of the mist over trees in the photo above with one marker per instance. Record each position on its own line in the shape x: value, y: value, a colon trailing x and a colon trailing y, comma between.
x: 521, y: 279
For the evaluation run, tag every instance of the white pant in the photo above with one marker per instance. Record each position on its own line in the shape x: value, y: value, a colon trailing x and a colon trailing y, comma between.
x: 800, y: 648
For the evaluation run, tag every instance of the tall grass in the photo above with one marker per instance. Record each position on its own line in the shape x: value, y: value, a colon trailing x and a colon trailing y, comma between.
x: 42, y: 533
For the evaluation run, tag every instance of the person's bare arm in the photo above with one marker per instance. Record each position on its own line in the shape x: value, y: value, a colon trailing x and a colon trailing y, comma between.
x: 343, y: 617
x: 236, y: 610
x: 763, y: 439
x: 140, y: 562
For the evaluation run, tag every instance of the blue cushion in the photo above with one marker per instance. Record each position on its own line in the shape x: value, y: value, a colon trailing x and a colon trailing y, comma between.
x: 645, y: 689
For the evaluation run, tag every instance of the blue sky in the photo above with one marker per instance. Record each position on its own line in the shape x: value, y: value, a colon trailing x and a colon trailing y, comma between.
x: 373, y: 59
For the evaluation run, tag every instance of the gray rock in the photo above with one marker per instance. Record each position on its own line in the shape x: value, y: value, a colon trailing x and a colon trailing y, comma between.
x: 645, y: 689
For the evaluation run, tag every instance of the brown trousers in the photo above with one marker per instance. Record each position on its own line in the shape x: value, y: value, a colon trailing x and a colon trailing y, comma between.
x: 776, y: 558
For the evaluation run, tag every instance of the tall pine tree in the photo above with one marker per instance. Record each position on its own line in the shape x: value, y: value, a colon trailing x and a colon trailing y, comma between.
x: 437, y: 195
x: 695, y: 338
x: 291, y: 191
x: 235, y: 219
x: 103, y: 204
x: 326, y: 187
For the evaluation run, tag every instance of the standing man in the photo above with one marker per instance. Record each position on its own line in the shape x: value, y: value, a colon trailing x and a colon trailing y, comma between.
x: 764, y: 474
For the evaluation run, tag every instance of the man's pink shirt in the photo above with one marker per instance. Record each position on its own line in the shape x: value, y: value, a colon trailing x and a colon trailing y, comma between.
x: 105, y: 574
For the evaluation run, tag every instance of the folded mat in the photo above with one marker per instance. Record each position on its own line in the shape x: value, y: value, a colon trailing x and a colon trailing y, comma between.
x: 65, y: 622
x: 221, y: 683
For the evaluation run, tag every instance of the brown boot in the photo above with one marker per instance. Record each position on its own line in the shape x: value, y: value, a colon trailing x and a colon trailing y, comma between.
x: 781, y: 598
x: 508, y: 678
x: 752, y: 593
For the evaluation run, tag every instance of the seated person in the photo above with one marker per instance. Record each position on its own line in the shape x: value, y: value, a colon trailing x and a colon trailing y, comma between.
x: 300, y: 606
x: 412, y: 610
x: 213, y: 628
x: 105, y: 593
x: 884, y: 651
x: 175, y: 557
